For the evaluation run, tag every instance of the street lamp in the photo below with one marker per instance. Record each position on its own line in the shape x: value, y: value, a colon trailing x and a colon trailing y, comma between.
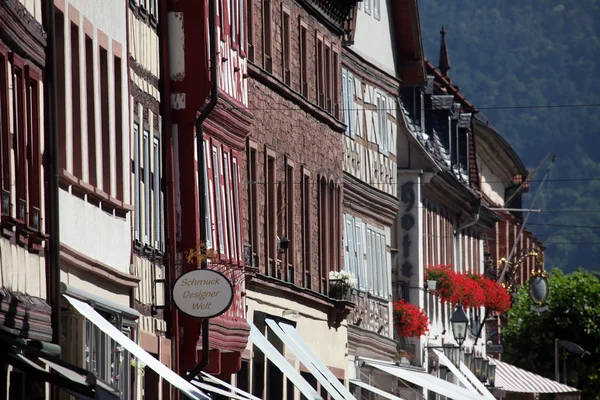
x: 484, y: 370
x: 477, y: 365
x: 468, y: 358
x: 459, y: 321
x: 492, y: 374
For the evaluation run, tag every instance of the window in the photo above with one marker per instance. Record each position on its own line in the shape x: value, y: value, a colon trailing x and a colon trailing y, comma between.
x: 290, y: 220
x: 271, y: 215
x: 61, y: 86
x: 237, y: 201
x: 285, y: 40
x: 119, y: 128
x: 383, y: 127
x: 377, y: 264
x: 207, y: 198
x: 367, y: 6
x: 253, y: 201
x: 218, y: 205
x: 376, y: 11
x: 137, y: 179
x: 5, y: 136
x: 91, y: 109
x: 153, y: 9
x: 76, y: 102
x: 306, y: 231
x: 242, y: 33
x: 319, y: 71
x: 353, y: 245
x: 328, y: 88
x: 143, y: 4
x: 107, y: 359
x: 228, y: 187
x: 323, y: 233
x: 157, y: 192
x: 20, y: 161
x: 232, y: 11
x: 34, y: 151
x: 146, y: 148
x: 303, y: 59
x: 267, y: 34
x: 250, y: 24
x: 104, y: 121
x: 348, y: 101
x: 335, y: 84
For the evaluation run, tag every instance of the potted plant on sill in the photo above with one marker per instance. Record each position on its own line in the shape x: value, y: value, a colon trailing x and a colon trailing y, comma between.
x: 442, y: 275
x: 409, y: 320
x: 340, y: 284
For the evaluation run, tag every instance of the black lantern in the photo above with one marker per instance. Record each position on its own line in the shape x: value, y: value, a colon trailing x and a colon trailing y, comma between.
x: 477, y: 365
x: 468, y: 359
x: 492, y: 374
x: 452, y: 353
x: 459, y: 321
x: 484, y: 370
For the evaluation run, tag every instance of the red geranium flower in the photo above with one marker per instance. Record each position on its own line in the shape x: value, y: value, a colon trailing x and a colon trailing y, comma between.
x: 409, y: 320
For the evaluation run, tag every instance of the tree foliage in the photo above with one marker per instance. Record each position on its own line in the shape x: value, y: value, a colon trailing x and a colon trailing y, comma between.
x: 535, y: 53
x: 573, y: 315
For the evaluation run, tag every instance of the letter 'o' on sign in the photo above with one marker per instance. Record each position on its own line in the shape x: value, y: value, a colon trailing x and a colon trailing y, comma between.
x: 203, y: 293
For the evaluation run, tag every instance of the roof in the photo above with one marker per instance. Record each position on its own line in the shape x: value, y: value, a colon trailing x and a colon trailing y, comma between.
x: 409, y: 44
x: 513, y: 379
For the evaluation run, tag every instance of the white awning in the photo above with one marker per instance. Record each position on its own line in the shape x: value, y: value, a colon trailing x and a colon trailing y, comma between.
x: 471, y: 376
x: 216, y: 390
x: 288, y: 370
x: 218, y: 381
x: 461, y: 377
x: 512, y: 379
x: 162, y: 370
x: 429, y: 382
x: 288, y: 335
x: 375, y: 390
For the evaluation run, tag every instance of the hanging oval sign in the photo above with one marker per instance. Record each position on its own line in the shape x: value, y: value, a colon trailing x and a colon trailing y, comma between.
x: 203, y: 293
x: 539, y: 289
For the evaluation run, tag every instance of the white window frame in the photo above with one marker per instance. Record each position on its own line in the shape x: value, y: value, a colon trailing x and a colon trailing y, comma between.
x: 241, y: 17
x: 236, y: 197
x: 359, y: 229
x: 217, y: 183
x: 157, y: 193
x: 367, y: 6
x: 346, y: 112
x: 136, y: 182
x: 348, y: 102
x: 350, y: 253
x: 376, y: 10
x: 147, y: 223
x: 384, y: 268
x: 154, y: 9
x: 228, y: 195
x: 207, y: 199
x: 383, y: 122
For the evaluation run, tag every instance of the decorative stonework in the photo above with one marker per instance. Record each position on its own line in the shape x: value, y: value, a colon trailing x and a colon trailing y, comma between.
x: 370, y: 313
x: 22, y: 32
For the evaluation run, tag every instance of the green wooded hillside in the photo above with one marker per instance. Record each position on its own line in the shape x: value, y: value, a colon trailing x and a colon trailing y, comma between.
x: 534, y: 53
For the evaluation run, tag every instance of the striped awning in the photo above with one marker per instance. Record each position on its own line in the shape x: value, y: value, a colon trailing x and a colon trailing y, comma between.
x: 512, y: 379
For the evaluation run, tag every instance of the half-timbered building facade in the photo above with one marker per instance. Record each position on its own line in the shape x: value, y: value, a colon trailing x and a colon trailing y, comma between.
x: 370, y: 88
x: 95, y: 196
x: 224, y: 133
x: 24, y: 311
x: 442, y: 219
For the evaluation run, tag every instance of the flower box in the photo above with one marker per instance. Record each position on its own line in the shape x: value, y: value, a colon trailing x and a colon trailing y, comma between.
x: 409, y: 319
x: 340, y: 284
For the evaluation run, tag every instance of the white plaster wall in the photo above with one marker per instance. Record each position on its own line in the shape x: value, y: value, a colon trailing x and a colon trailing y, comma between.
x: 95, y: 233
x: 95, y: 286
x: 373, y: 39
x: 330, y: 345
x: 22, y: 271
x: 491, y: 185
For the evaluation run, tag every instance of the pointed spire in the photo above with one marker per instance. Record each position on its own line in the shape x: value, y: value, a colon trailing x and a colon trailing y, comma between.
x: 444, y: 62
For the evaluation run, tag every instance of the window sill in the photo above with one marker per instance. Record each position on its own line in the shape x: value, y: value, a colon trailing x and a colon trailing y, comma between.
x: 94, y: 196
x: 369, y: 296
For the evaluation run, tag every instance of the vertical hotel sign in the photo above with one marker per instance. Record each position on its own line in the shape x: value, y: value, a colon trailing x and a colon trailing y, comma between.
x: 409, y: 268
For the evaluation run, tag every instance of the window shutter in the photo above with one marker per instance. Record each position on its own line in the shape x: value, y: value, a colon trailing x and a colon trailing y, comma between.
x: 385, y: 271
x: 349, y: 248
x: 360, y: 254
x: 370, y: 262
x: 345, y: 101
x: 351, y: 107
x: 383, y: 130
